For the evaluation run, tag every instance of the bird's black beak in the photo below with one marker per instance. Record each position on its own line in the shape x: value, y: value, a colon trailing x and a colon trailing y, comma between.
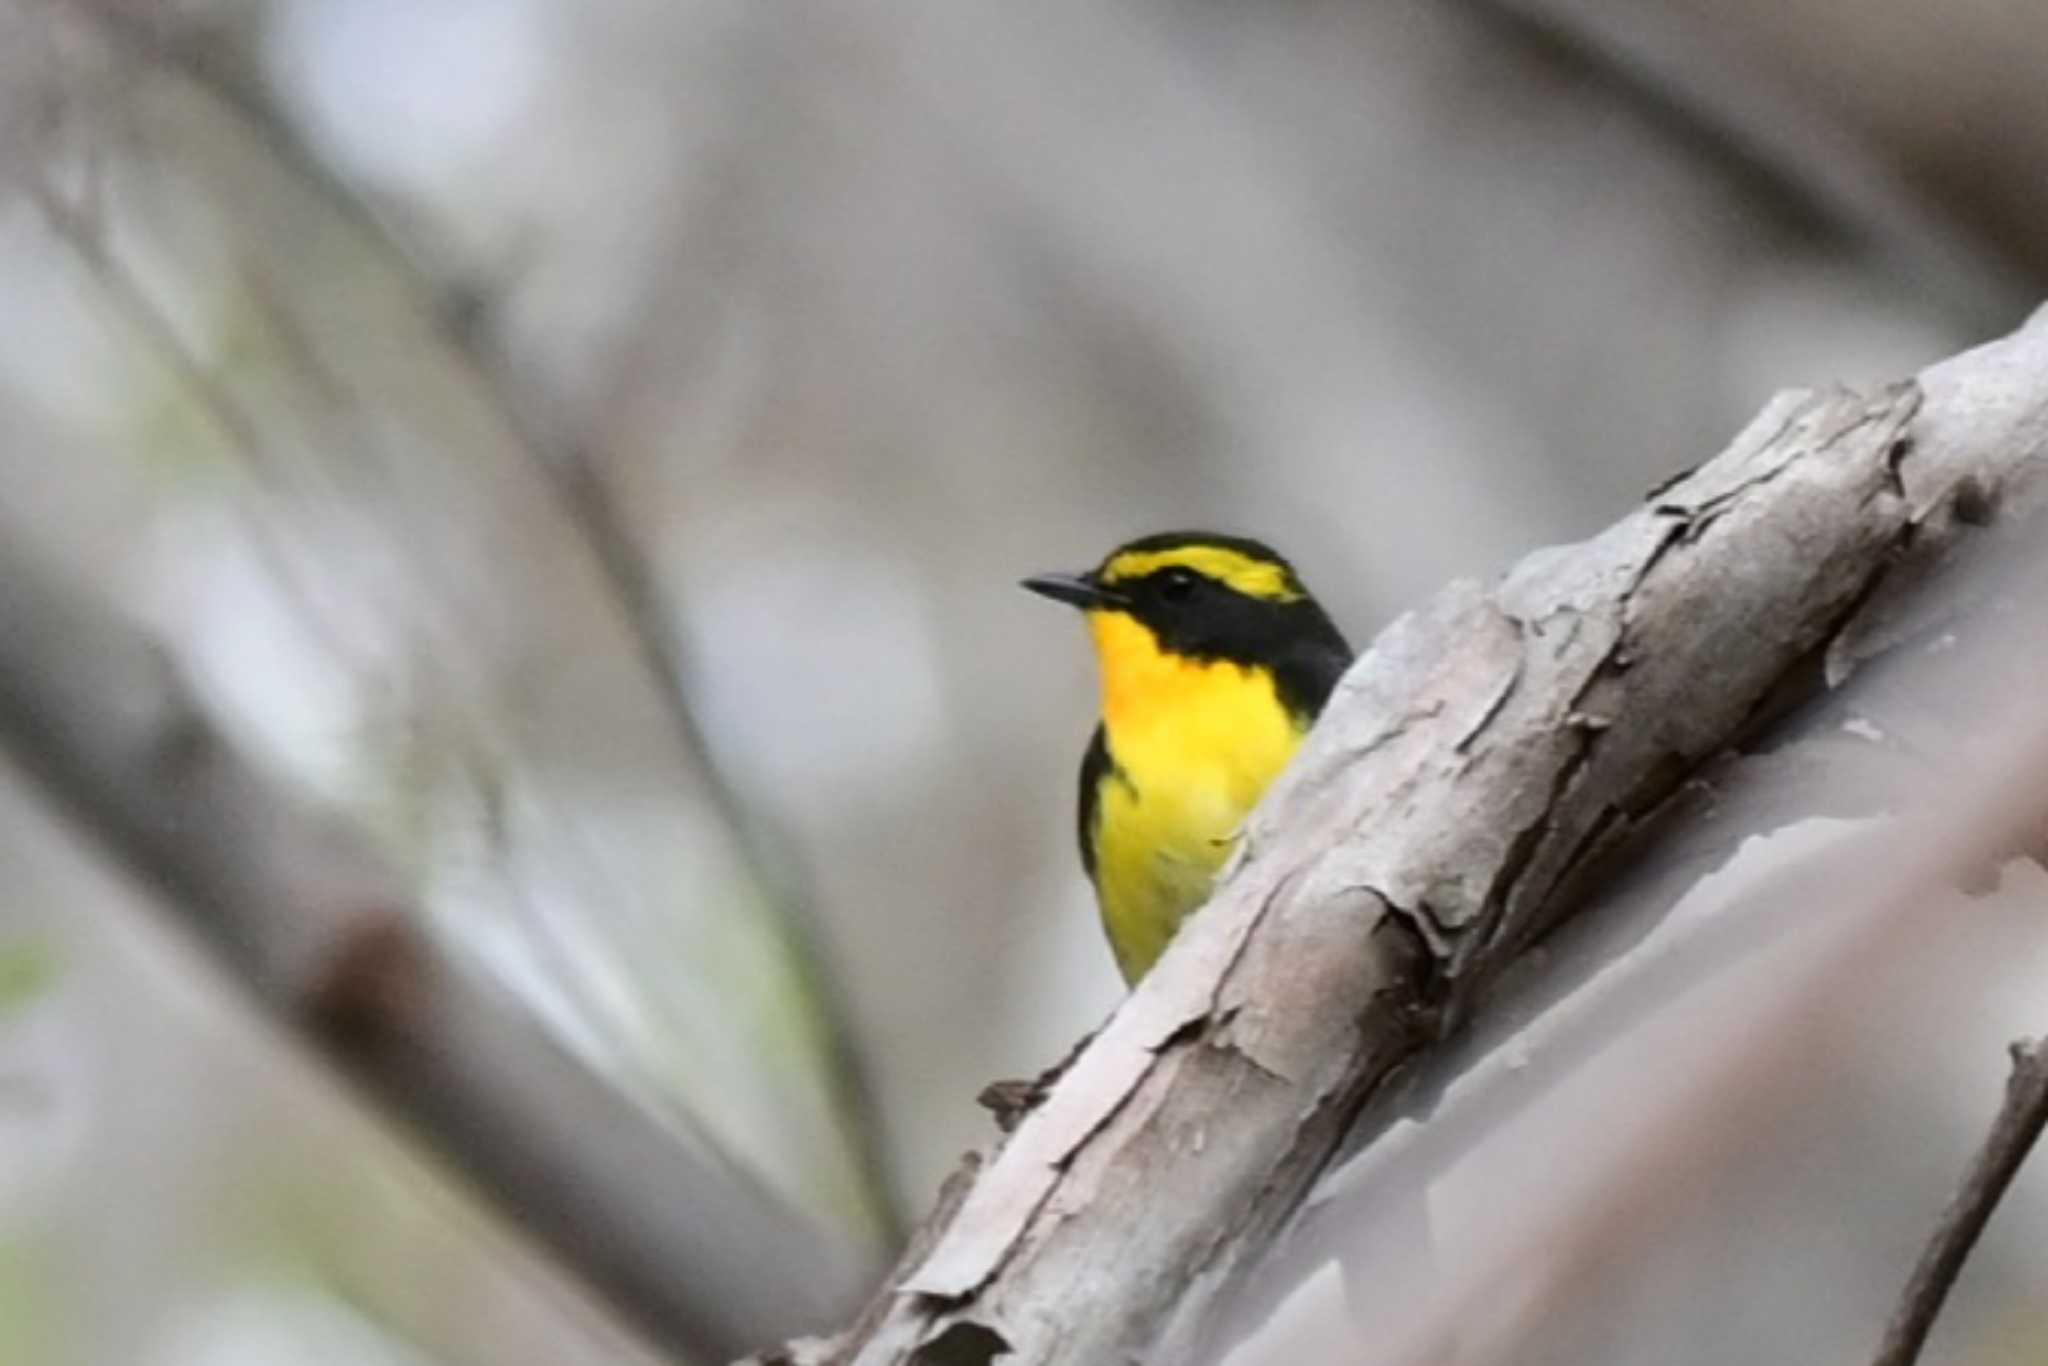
x: 1079, y: 590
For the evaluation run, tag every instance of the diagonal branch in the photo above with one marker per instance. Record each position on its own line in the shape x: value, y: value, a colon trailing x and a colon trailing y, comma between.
x: 2020, y: 1119
x: 578, y: 482
x: 1655, y: 60
x: 591, y: 507
x: 700, y: 1255
x: 1468, y: 777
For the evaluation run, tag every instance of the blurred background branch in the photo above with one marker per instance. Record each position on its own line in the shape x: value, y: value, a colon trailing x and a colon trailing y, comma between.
x: 583, y: 451
x: 1670, y: 60
x: 215, y: 62
x: 309, y: 917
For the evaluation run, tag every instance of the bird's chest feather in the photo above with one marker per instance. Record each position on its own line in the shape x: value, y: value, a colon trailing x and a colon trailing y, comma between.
x: 1193, y: 745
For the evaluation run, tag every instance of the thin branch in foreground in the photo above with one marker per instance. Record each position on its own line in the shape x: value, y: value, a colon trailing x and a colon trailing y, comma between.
x: 2018, y: 1124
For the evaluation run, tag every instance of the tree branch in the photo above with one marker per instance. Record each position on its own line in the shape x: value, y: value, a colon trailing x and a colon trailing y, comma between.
x: 576, y: 479
x: 699, y: 1254
x: 1466, y: 779
x: 1654, y: 60
x: 589, y: 505
x: 2014, y: 1130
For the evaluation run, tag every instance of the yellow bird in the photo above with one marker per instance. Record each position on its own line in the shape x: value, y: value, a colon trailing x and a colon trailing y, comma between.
x: 1215, y: 661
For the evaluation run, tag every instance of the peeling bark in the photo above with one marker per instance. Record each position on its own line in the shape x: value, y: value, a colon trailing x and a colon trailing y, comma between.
x: 1467, y: 776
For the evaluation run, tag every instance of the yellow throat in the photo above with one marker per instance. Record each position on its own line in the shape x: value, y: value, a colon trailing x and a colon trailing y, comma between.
x: 1192, y: 745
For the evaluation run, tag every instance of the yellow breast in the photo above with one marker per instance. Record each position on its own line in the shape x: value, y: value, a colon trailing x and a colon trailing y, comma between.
x: 1193, y: 745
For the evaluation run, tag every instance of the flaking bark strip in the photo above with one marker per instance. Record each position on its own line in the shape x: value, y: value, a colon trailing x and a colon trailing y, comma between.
x: 1450, y: 775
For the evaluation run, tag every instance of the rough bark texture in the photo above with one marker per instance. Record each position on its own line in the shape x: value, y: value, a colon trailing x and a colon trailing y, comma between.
x: 1479, y: 757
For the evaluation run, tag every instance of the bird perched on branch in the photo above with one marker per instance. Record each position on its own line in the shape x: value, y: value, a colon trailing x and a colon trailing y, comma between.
x: 1215, y: 661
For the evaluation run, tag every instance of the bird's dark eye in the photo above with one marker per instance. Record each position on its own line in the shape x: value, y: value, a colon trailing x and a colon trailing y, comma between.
x: 1177, y: 584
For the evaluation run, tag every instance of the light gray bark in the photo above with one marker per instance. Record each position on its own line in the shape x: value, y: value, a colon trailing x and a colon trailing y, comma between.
x: 1471, y: 768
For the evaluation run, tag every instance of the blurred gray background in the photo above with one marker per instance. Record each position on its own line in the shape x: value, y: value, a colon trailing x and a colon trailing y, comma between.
x: 320, y: 312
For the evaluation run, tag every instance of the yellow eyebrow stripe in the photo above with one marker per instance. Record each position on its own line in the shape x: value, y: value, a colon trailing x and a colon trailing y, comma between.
x: 1253, y: 577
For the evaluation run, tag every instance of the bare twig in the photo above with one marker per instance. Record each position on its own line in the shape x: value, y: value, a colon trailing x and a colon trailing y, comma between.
x: 590, y: 506
x: 1876, y: 911
x: 76, y: 221
x: 2020, y: 1119
x: 1830, y: 923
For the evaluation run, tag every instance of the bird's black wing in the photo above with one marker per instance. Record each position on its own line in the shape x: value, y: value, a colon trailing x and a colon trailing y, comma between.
x: 1095, y: 766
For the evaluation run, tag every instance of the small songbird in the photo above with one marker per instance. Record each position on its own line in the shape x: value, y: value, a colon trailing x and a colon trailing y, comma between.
x: 1215, y: 661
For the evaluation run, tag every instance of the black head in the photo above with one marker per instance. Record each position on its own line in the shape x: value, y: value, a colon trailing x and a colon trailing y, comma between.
x: 1208, y: 596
